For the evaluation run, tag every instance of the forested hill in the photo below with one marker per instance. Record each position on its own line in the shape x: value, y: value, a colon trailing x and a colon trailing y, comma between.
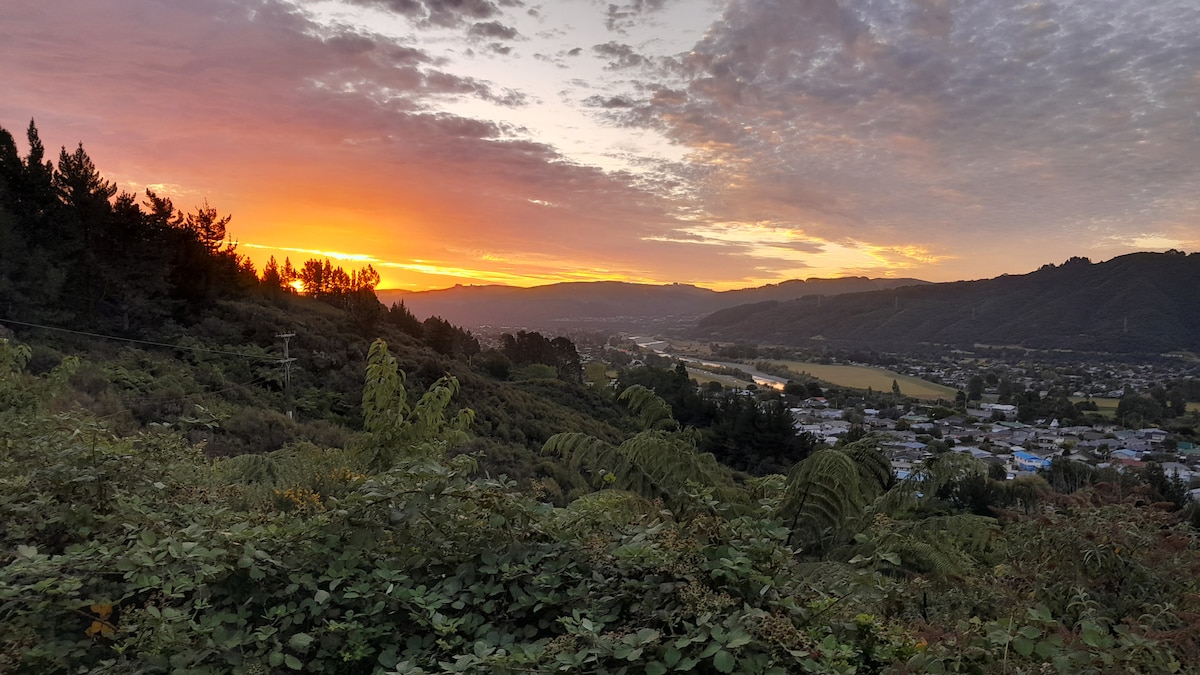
x: 175, y: 328
x: 432, y: 506
x: 609, y: 303
x: 1136, y: 303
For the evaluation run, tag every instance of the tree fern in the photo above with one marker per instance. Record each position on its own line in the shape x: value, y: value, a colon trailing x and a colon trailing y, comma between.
x: 603, y: 509
x: 923, y: 484
x: 651, y: 410
x: 655, y: 464
x: 874, y: 470
x: 942, y: 547
x: 823, y: 496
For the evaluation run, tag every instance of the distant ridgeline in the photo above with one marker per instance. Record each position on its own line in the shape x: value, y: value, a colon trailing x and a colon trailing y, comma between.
x: 1136, y: 303
x: 609, y: 303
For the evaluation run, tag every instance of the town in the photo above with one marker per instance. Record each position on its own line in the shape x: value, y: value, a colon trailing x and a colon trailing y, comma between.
x: 1016, y: 410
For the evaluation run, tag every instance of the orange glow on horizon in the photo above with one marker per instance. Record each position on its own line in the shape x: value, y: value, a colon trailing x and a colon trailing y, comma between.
x: 424, y: 275
x: 420, y: 274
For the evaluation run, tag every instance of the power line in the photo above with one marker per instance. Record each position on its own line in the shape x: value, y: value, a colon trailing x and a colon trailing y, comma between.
x: 144, y: 342
x: 287, y: 370
x: 186, y: 397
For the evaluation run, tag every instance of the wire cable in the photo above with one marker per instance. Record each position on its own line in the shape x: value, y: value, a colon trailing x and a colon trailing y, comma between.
x: 185, y: 397
x: 144, y: 342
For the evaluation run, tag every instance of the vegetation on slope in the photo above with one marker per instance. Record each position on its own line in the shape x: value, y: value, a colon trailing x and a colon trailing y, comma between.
x: 139, y: 554
x: 1138, y: 303
x: 160, y: 513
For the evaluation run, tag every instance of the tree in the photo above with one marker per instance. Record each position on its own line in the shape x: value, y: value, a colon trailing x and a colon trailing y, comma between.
x: 86, y: 195
x: 208, y: 227
x: 314, y: 277
x: 397, y: 430
x: 494, y: 363
x: 81, y: 187
x: 288, y: 275
x: 596, y: 372
x: 527, y: 348
x: 272, y: 281
x: 399, y: 316
x: 1134, y: 411
x: 975, y: 388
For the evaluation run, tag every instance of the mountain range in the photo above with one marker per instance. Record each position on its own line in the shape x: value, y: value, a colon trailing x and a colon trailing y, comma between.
x: 610, y: 304
x: 1136, y: 303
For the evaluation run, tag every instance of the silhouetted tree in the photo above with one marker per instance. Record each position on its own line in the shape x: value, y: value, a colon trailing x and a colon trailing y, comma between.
x: 399, y: 316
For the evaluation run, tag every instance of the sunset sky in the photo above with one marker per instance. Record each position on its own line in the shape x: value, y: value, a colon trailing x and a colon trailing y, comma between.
x: 725, y: 144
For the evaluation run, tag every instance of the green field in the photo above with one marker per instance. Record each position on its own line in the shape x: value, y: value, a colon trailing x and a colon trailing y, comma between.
x: 703, y: 377
x: 1104, y: 406
x: 864, y: 377
x: 1108, y: 406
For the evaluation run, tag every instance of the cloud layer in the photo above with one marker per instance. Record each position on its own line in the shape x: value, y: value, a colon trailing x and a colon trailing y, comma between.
x: 724, y: 144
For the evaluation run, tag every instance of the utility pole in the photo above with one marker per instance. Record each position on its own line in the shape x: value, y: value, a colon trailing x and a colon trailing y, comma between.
x: 287, y: 371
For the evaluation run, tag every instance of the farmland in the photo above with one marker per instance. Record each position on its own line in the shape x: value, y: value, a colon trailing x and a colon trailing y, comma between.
x: 864, y: 377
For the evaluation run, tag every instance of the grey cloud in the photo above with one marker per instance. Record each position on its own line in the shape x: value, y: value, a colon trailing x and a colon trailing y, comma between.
x: 620, y: 56
x: 286, y: 96
x: 608, y: 102
x: 1025, y: 114
x: 351, y: 44
x: 450, y: 12
x: 494, y: 30
x: 401, y: 55
x: 621, y: 17
x: 446, y: 83
x: 439, y: 12
x: 404, y: 7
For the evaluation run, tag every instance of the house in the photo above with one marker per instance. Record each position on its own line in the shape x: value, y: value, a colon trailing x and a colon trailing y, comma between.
x: 1152, y: 435
x: 1185, y: 472
x: 1027, y: 461
x: 1123, y: 464
x: 977, y: 453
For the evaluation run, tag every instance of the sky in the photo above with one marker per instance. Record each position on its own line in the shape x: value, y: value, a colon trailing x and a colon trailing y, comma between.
x: 724, y: 143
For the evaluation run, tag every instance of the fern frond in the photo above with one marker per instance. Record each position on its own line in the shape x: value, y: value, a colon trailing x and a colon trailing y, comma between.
x: 823, y: 495
x: 926, y: 480
x: 603, y: 509
x: 941, y: 547
x: 651, y: 410
x: 264, y: 469
x: 579, y: 449
x: 655, y: 464
x: 874, y: 468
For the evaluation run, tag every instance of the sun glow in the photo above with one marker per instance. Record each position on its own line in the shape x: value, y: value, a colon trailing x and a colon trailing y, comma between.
x: 428, y: 274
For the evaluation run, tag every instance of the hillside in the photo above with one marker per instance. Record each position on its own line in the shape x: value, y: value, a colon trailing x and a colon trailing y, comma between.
x: 1136, y: 303
x: 608, y: 303
x: 181, y: 492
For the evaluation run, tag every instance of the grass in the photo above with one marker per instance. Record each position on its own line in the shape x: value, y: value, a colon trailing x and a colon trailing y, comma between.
x: 703, y: 377
x: 865, y: 377
x: 1108, y: 406
x: 1104, y: 406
